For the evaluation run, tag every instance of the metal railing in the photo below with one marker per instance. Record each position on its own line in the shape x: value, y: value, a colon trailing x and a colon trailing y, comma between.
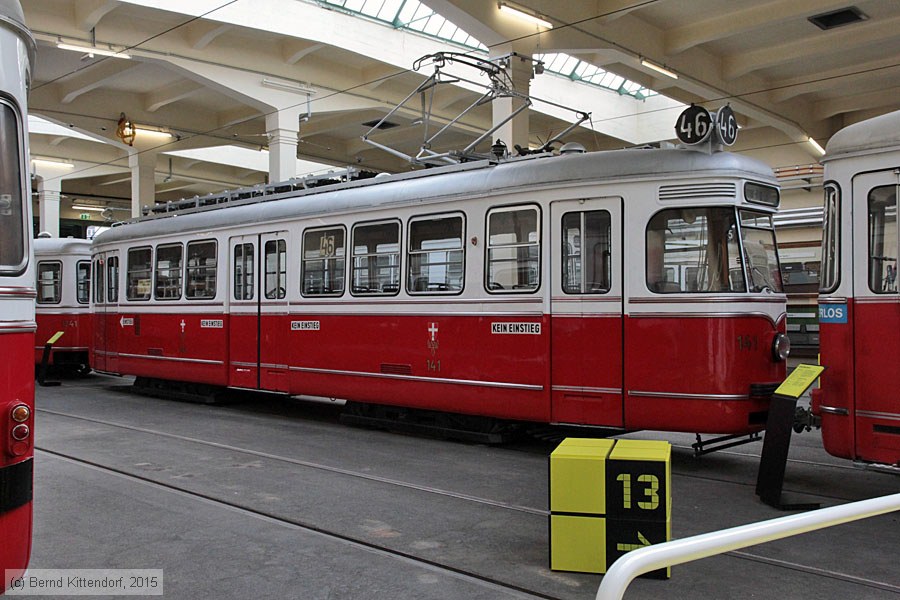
x: 660, y: 556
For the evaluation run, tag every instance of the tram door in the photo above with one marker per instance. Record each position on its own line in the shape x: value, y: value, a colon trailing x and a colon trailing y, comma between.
x: 586, y: 312
x: 258, y: 321
x: 876, y: 315
x: 106, y: 318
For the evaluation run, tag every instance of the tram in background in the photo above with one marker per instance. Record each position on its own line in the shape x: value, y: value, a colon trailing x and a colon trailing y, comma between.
x: 859, y: 300
x: 63, y: 293
x: 581, y: 289
x: 17, y: 293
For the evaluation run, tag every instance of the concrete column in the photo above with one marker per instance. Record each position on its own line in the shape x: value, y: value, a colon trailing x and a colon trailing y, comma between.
x: 49, y: 191
x: 283, y: 128
x: 143, y: 180
x: 515, y: 131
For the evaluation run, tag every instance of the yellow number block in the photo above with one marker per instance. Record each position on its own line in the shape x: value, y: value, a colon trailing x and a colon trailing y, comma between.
x: 578, y: 544
x: 577, y: 476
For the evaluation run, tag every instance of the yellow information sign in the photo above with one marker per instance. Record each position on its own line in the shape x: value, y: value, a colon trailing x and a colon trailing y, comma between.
x: 55, y: 337
x: 799, y: 380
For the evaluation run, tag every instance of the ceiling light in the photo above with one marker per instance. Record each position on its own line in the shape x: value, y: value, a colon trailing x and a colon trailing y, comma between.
x: 816, y: 145
x: 145, y: 132
x: 91, y: 50
x: 287, y: 86
x: 533, y: 19
x: 659, y: 69
x: 51, y: 162
x: 91, y: 208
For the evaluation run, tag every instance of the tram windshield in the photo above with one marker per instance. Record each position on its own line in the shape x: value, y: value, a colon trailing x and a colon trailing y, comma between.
x: 699, y: 250
x: 12, y: 222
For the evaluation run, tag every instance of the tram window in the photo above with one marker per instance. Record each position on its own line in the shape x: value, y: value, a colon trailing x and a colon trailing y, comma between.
x: 322, y: 267
x: 276, y: 269
x: 243, y: 272
x: 99, y: 288
x: 201, y: 270
x: 12, y: 213
x: 49, y: 282
x: 514, y: 250
x: 168, y: 272
x: 112, y: 280
x: 376, y: 259
x: 139, y: 270
x: 694, y: 250
x: 883, y: 240
x: 760, y: 252
x: 831, y: 244
x: 83, y: 281
x: 586, y: 259
x: 436, y: 261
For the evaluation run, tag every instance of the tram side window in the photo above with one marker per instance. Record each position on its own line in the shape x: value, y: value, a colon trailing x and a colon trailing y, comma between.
x: 12, y: 223
x: 323, y: 263
x: 514, y: 250
x: 83, y: 281
x: 760, y: 252
x: 243, y: 272
x: 139, y: 270
x: 694, y: 250
x: 168, y: 272
x: 883, y: 240
x: 376, y: 259
x: 201, y: 270
x: 49, y: 282
x: 831, y: 244
x: 586, y: 259
x: 276, y: 269
x: 99, y: 289
x: 436, y: 256
x: 112, y: 280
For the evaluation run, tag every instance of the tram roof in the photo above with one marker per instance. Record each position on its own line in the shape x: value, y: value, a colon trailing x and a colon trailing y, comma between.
x: 863, y: 137
x: 464, y: 181
x: 11, y: 15
x: 62, y: 246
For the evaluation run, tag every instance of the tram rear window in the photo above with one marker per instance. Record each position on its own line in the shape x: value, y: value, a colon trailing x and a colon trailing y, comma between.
x: 49, y: 282
x: 83, y: 281
x: 883, y: 243
x: 112, y: 280
x: 140, y: 269
x: 12, y: 217
x: 694, y: 250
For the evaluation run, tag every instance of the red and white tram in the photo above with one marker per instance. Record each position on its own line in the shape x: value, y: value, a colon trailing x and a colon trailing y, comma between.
x: 859, y: 300
x: 17, y: 294
x: 632, y: 289
x: 63, y: 296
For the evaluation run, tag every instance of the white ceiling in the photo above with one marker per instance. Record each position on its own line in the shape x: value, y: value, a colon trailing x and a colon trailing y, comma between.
x: 199, y: 76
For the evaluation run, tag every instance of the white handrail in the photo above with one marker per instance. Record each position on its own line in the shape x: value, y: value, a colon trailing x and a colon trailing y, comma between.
x: 651, y: 558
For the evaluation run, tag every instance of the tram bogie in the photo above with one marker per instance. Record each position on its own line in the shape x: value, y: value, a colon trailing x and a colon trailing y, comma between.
x: 63, y: 269
x: 859, y: 300
x: 580, y: 289
x: 17, y: 293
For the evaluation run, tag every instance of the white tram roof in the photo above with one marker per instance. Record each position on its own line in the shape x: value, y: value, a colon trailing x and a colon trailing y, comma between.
x: 864, y: 137
x: 12, y: 16
x: 74, y: 246
x: 455, y: 182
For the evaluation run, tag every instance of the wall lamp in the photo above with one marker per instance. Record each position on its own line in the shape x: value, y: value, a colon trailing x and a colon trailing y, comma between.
x: 815, y: 145
x: 525, y: 16
x: 92, y: 50
x: 659, y: 69
x: 50, y: 162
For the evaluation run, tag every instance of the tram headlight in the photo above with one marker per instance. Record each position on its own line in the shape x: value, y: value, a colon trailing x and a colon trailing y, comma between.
x: 21, y: 413
x: 781, y: 346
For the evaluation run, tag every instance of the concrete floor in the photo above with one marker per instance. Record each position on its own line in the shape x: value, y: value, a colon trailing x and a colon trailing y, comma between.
x: 273, y: 498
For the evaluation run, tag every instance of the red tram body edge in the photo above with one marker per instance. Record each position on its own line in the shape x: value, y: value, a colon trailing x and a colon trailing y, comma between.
x: 17, y: 294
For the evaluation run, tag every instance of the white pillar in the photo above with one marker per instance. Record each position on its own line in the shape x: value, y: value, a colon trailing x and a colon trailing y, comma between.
x: 283, y: 128
x: 515, y: 131
x: 143, y: 180
x: 49, y: 191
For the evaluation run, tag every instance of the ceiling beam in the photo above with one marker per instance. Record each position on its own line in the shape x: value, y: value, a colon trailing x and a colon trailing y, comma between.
x: 201, y: 34
x: 294, y: 50
x: 787, y: 89
x: 179, y: 90
x: 825, y: 109
x: 89, y: 12
x: 91, y: 78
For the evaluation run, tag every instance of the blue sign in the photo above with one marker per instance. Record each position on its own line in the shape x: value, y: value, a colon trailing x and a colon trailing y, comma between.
x: 833, y: 313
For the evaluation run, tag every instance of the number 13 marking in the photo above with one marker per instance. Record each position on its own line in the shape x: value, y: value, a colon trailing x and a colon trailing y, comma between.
x: 652, y: 491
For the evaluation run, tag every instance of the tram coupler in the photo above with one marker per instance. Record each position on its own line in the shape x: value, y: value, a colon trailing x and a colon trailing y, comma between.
x: 722, y: 442
x: 805, y: 420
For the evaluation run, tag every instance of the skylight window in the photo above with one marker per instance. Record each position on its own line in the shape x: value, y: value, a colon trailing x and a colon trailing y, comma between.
x: 415, y: 16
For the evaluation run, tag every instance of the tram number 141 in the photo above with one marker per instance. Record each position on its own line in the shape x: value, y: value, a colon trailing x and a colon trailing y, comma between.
x: 747, y: 343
